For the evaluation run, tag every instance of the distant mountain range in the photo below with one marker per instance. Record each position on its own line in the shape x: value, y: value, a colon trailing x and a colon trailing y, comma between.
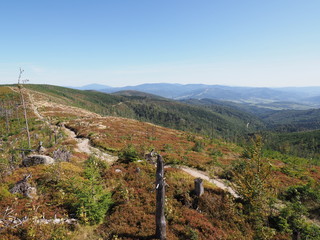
x: 274, y: 98
x: 93, y: 86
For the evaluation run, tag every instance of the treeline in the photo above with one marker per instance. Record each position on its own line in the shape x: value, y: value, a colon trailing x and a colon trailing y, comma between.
x: 301, y: 144
x: 292, y: 120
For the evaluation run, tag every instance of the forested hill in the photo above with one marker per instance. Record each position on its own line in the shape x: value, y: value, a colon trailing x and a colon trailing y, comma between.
x: 218, y: 120
x: 293, y: 120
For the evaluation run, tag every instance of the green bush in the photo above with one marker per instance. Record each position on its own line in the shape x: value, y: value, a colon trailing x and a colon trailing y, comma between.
x: 91, y: 200
x: 128, y: 154
x: 302, y: 193
x: 291, y: 220
x: 4, y: 192
x: 92, y: 203
x: 198, y: 146
x: 215, y: 152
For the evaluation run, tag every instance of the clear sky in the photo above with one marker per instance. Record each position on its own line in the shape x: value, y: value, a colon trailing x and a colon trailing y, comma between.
x: 129, y: 42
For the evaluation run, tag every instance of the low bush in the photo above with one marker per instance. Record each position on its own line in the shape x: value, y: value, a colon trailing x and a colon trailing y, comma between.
x: 128, y: 154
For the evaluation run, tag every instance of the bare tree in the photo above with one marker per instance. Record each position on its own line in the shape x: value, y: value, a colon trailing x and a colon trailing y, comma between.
x: 24, y: 105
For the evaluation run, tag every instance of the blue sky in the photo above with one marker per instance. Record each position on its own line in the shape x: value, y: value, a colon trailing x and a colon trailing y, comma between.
x: 129, y: 42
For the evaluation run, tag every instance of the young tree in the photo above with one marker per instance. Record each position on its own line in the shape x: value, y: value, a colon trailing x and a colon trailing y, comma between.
x: 252, y: 184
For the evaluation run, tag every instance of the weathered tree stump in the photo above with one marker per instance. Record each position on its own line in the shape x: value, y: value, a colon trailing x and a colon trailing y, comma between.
x: 160, y: 198
x: 40, y: 148
x: 151, y: 157
x: 198, y: 187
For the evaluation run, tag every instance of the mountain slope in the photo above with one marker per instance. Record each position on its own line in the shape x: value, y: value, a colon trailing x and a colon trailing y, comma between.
x: 156, y: 110
x: 84, y: 197
x: 293, y: 120
x: 249, y: 95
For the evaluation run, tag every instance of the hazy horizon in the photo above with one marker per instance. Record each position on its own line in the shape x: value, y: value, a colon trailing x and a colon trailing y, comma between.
x: 187, y: 84
x: 133, y: 85
x: 120, y: 43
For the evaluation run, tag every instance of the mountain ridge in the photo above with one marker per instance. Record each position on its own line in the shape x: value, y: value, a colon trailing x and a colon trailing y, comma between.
x: 308, y: 96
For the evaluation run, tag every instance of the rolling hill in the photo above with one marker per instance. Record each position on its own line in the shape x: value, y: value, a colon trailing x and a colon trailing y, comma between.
x: 295, y: 98
x: 165, y: 112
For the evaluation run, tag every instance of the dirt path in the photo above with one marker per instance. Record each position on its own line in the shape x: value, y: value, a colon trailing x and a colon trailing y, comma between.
x: 203, y: 175
x: 35, y: 109
x: 83, y: 143
x: 85, y: 147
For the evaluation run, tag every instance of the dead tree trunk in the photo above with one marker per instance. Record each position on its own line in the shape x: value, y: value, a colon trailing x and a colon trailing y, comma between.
x: 24, y: 107
x: 199, y: 190
x: 198, y: 186
x: 160, y: 197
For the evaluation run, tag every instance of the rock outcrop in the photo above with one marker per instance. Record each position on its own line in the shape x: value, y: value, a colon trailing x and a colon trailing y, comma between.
x: 24, y: 188
x: 33, y: 160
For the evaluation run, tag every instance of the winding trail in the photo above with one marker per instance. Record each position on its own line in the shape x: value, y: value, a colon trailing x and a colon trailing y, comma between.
x: 83, y: 144
x: 203, y: 175
x: 218, y: 182
x: 85, y: 147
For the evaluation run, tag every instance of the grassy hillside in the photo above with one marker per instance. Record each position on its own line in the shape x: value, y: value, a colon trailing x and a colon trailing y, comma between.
x: 218, y: 121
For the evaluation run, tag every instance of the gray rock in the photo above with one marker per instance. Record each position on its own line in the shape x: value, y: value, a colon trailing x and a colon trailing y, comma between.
x: 62, y: 155
x: 33, y: 160
x: 24, y: 188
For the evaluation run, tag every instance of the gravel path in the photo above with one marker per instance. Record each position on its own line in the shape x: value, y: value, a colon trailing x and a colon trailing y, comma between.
x: 83, y: 143
x: 203, y: 175
x: 85, y: 147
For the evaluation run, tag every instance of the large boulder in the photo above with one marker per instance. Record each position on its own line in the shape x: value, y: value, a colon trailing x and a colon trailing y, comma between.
x: 33, y: 160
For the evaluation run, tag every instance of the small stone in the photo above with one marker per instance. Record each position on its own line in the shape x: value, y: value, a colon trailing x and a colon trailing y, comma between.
x: 56, y: 221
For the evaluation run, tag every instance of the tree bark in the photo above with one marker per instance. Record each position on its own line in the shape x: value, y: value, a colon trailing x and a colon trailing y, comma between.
x: 160, y: 197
